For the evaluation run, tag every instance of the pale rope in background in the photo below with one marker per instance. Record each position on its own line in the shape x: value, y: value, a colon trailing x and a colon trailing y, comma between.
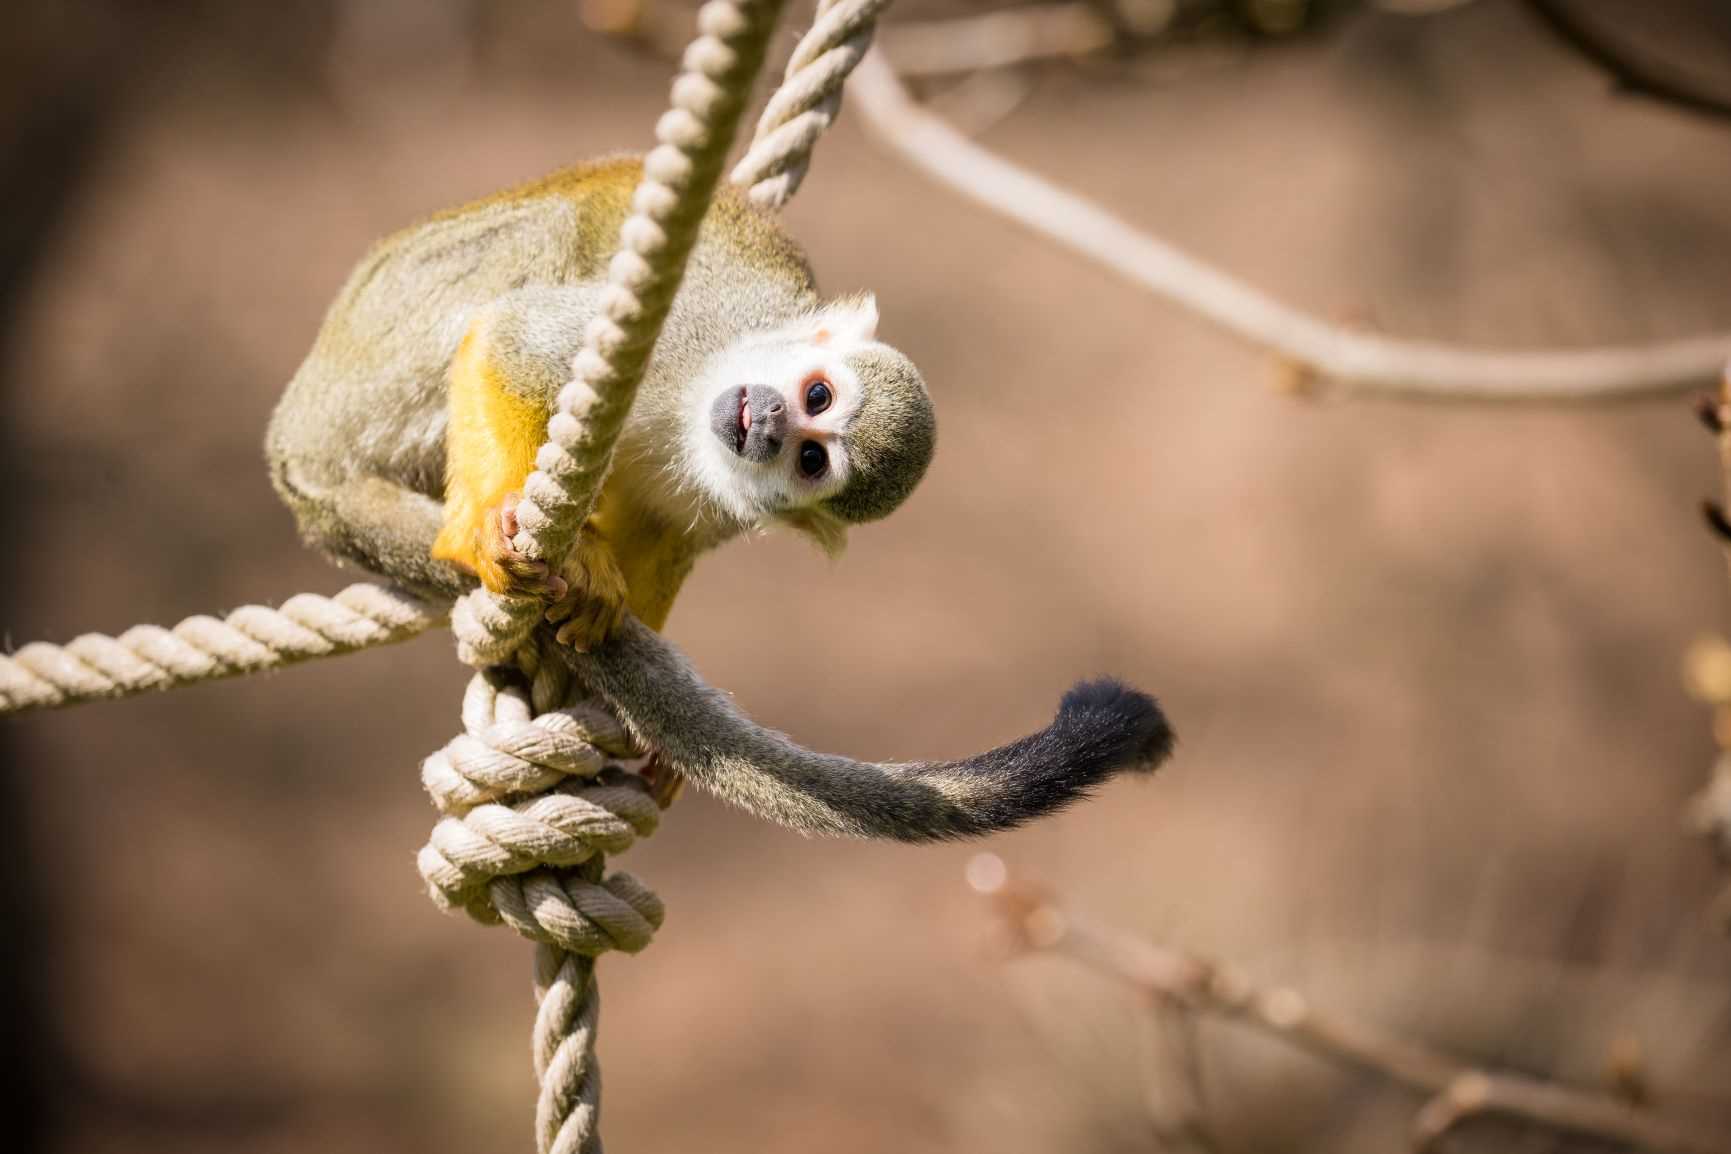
x: 1365, y: 361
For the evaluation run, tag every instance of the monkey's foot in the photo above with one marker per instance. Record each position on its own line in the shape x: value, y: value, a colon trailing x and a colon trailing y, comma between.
x: 594, y: 602
x: 505, y: 570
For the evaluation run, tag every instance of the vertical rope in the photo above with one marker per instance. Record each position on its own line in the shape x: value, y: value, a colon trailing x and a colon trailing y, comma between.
x: 679, y: 178
x: 807, y: 102
x: 530, y: 806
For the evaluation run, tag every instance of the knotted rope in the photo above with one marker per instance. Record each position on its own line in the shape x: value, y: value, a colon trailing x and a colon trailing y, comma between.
x: 530, y: 807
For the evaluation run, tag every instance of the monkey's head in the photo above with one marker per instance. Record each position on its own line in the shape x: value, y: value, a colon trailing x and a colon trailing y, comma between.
x: 816, y: 424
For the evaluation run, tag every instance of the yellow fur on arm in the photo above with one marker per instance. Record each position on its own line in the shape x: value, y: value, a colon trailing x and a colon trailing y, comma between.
x: 490, y: 448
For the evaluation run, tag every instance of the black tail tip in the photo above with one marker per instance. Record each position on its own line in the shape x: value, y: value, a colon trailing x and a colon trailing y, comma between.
x: 1126, y: 720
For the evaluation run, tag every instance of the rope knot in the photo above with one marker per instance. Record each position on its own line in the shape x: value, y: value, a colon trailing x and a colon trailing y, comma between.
x: 531, y: 802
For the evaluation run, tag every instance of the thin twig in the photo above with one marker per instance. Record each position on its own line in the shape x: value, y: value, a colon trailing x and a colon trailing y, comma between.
x: 1365, y: 360
x: 1642, y: 75
x: 1420, y: 7
x: 996, y: 39
x: 1456, y: 1090
x: 1707, y: 666
x: 1176, y: 1104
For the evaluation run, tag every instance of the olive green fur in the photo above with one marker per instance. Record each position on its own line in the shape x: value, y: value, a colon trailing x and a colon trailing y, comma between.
x: 890, y: 439
x: 356, y: 447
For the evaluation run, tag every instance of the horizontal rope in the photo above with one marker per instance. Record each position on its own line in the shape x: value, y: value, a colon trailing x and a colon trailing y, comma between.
x: 251, y: 639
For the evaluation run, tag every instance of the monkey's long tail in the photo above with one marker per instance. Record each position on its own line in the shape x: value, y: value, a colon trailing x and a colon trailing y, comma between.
x: 1102, y: 727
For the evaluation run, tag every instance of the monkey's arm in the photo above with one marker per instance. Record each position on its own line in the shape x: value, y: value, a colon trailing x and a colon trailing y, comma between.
x: 1102, y: 727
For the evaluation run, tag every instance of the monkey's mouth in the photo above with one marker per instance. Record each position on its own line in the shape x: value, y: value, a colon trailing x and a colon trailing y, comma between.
x: 751, y: 420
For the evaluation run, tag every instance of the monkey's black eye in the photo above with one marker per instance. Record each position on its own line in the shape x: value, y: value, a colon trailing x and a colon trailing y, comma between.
x: 817, y: 397
x: 812, y: 459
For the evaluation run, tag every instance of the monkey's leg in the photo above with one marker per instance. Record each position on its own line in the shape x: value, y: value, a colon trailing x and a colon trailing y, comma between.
x: 382, y: 526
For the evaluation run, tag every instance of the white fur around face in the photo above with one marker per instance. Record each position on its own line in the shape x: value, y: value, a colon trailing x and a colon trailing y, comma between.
x: 788, y: 358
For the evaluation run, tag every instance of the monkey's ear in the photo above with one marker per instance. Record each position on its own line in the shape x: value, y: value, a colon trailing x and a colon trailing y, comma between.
x: 849, y: 321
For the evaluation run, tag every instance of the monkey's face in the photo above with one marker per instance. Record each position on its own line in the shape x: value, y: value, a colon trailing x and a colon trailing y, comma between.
x: 780, y: 436
x: 774, y: 414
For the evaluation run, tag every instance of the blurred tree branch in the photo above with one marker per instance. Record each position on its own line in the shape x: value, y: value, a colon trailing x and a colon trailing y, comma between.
x: 1707, y: 666
x: 1602, y: 38
x: 1307, y: 347
x: 1456, y: 1091
x: 998, y: 39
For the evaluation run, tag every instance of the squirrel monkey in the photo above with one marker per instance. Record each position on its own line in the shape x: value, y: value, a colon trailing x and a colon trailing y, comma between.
x: 404, y: 439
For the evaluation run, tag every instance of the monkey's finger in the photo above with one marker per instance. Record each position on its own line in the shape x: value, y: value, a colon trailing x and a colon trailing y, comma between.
x: 508, y: 515
x: 588, y: 625
x: 574, y: 634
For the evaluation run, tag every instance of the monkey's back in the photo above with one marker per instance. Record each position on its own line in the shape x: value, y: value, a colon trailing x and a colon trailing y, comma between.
x: 370, y: 398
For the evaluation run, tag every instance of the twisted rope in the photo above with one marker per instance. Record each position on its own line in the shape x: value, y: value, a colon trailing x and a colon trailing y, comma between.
x: 808, y: 101
x: 531, y: 802
x: 251, y: 639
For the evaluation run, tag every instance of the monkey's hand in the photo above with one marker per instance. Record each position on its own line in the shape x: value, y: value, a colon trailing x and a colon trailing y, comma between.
x: 501, y: 568
x: 593, y: 604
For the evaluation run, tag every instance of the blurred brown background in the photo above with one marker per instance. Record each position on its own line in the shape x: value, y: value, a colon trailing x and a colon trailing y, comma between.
x: 1423, y: 659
